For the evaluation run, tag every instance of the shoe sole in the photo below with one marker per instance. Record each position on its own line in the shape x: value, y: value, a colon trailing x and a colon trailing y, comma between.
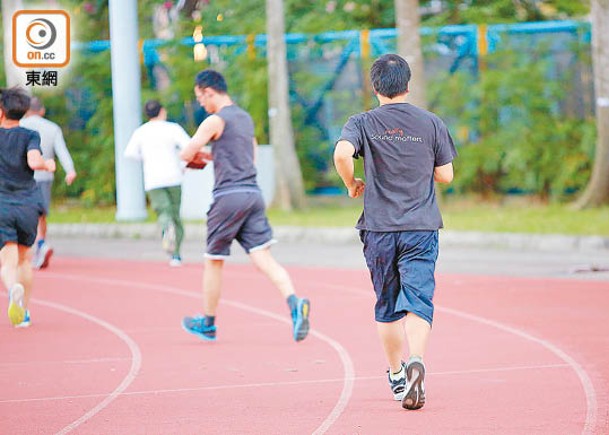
x: 198, y: 334
x: 16, y: 313
x: 301, y: 327
x: 47, y: 259
x: 414, y: 396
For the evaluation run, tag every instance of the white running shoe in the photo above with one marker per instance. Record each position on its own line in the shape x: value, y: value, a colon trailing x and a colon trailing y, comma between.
x: 16, y: 313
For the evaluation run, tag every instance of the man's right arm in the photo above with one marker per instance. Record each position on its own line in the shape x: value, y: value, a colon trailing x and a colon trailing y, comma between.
x: 343, y: 160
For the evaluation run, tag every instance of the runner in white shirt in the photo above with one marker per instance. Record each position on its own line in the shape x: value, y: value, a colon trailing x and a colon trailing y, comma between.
x: 157, y: 144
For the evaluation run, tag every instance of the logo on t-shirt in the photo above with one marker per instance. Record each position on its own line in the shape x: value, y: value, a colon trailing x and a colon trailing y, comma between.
x: 396, y: 134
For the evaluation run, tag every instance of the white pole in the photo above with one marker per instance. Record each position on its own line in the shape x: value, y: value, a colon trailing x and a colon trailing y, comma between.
x: 130, y: 198
x: 15, y: 76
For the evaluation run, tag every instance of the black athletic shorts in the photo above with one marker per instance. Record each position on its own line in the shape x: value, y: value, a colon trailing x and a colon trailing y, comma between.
x: 237, y: 216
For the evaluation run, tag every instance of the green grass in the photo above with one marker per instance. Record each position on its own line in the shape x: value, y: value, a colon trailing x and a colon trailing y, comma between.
x: 517, y: 216
x: 525, y: 218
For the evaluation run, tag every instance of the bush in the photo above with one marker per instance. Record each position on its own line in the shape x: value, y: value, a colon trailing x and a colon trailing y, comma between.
x: 512, y: 134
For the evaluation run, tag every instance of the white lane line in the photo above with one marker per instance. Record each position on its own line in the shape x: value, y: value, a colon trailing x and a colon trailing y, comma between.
x: 66, y: 361
x: 591, y: 402
x: 348, y: 370
x: 287, y: 383
x: 136, y: 360
x: 587, y: 385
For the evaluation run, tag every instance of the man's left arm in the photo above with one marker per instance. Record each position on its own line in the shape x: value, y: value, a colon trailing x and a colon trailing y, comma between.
x: 445, y: 152
x: 210, y: 129
x: 62, y: 153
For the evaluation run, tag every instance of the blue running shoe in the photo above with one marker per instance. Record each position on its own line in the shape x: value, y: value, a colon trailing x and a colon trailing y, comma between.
x: 398, y: 386
x: 300, y: 319
x: 196, y: 326
x: 26, y: 321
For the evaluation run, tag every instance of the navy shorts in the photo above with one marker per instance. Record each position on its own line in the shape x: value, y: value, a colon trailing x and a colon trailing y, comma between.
x: 19, y: 222
x: 402, y: 266
x: 237, y: 216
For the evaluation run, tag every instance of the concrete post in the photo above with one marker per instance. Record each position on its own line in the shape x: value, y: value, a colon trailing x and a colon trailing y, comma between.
x: 130, y: 198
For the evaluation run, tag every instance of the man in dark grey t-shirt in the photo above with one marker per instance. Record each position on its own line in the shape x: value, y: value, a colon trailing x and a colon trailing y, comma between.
x: 405, y: 149
x: 238, y: 210
x: 20, y: 201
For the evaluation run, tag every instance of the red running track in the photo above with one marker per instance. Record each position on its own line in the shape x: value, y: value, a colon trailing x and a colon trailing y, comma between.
x: 106, y: 355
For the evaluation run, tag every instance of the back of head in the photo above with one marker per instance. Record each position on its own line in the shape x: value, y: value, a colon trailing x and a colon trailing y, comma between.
x: 15, y: 102
x: 390, y: 75
x: 152, y: 108
x: 36, y: 105
x: 210, y: 78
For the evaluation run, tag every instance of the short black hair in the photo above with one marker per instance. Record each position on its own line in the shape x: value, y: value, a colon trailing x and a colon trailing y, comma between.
x: 390, y: 75
x: 210, y: 78
x: 152, y: 108
x: 14, y: 103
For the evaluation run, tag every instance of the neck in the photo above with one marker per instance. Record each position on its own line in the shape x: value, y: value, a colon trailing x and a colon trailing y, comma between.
x: 386, y: 100
x: 9, y: 123
x: 223, y: 101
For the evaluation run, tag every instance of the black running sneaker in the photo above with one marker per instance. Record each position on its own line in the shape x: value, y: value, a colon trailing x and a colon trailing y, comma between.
x: 399, y: 385
x: 414, y: 396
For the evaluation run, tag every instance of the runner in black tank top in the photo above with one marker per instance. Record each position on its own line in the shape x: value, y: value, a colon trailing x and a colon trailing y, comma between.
x: 238, y: 210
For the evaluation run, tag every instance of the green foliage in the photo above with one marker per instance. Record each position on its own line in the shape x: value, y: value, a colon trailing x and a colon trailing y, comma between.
x: 513, y: 135
x: 505, y: 11
x: 515, y: 129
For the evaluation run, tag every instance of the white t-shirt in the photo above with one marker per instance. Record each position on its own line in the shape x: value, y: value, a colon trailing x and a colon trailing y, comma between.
x: 157, y: 144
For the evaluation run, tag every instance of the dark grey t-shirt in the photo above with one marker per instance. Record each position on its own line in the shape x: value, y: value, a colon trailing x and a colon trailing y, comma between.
x: 401, y: 145
x: 16, y: 177
x: 233, y: 153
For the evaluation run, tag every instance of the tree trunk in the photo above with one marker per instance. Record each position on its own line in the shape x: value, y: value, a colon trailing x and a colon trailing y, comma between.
x: 14, y: 75
x: 409, y: 47
x: 597, y: 191
x: 289, y: 191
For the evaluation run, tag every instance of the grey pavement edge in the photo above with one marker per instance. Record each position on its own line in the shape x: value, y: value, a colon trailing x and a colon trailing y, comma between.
x: 345, y: 235
x: 508, y: 255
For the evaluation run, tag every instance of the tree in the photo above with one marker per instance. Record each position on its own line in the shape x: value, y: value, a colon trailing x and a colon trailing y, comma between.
x: 597, y: 192
x: 289, y: 193
x: 409, y: 47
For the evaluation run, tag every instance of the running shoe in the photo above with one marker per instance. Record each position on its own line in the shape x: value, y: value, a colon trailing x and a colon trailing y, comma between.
x: 169, y: 238
x: 175, y: 261
x: 43, y: 257
x: 398, y: 385
x: 414, y: 396
x: 196, y: 325
x: 300, y: 319
x: 26, y: 321
x: 16, y: 313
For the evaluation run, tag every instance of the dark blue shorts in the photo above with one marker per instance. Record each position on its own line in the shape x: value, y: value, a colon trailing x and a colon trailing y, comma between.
x: 402, y: 266
x: 19, y: 222
x: 237, y: 216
